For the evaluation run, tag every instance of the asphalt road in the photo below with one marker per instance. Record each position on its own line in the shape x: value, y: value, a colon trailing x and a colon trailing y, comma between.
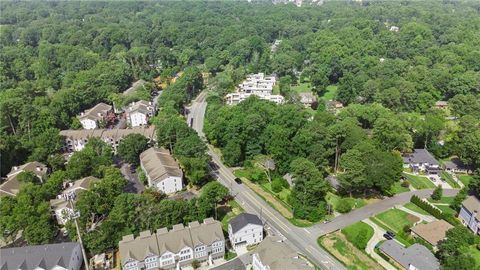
x: 304, y: 239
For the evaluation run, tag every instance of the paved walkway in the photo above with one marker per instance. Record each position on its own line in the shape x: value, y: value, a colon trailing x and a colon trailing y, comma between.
x: 377, y: 237
x: 426, y: 218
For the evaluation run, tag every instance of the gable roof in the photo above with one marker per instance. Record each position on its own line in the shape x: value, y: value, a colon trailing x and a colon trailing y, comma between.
x: 432, y: 232
x: 415, y: 255
x: 81, y: 184
x: 244, y: 219
x: 456, y: 164
x: 472, y: 204
x: 10, y: 187
x: 420, y: 156
x: 207, y: 233
x: 159, y: 164
x: 93, y: 113
x: 35, y: 167
x: 44, y: 256
x: 275, y: 253
x: 138, y: 248
x: 141, y: 106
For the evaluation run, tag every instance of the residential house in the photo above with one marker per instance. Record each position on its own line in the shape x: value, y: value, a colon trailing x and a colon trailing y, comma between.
x: 62, y: 256
x: 175, y: 248
x: 415, y: 257
x: 75, y: 140
x: 469, y: 214
x: 161, y: 169
x: 275, y: 45
x: 432, y: 232
x: 91, y: 118
x: 139, y: 112
x: 441, y: 104
x: 274, y: 254
x: 244, y: 230
x: 307, y: 99
x: 334, y: 106
x: 394, y: 28
x: 421, y: 160
x: 61, y: 206
x: 258, y: 85
x: 455, y: 165
x: 11, y: 185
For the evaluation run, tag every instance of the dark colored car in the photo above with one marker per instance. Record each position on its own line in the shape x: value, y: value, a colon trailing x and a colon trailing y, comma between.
x: 238, y: 180
x: 388, y: 236
x: 132, y: 169
x: 392, y: 234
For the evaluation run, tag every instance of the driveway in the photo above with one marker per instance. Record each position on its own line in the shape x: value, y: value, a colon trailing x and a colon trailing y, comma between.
x: 377, y: 237
x: 239, y: 263
x: 134, y: 185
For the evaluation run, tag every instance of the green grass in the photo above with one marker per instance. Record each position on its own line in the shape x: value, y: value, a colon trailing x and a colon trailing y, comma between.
x: 330, y: 93
x: 415, y: 208
x: 395, y: 219
x: 419, y: 182
x: 341, y: 247
x: 447, y: 200
x: 465, y: 179
x: 358, y: 234
x: 334, y: 199
x: 397, y: 188
x: 446, y: 209
x: 234, y: 210
x: 447, y: 177
x: 302, y: 87
x: 276, y: 89
x: 282, y: 195
x: 230, y: 255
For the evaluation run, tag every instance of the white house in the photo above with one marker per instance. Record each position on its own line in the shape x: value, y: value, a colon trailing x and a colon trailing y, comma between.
x: 258, y: 85
x: 61, y: 207
x: 62, y: 256
x: 139, y: 112
x: 161, y: 169
x: 244, y: 230
x: 469, y: 214
x: 91, y: 118
x: 12, y: 186
x: 173, y: 249
x: 274, y: 254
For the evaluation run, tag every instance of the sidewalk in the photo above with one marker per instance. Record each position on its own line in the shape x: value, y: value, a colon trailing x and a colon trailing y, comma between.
x: 377, y: 237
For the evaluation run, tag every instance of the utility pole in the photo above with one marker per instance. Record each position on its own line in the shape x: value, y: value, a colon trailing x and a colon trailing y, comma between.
x: 75, y: 216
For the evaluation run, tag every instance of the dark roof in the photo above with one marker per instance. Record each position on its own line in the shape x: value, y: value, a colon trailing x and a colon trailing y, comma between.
x: 243, y: 220
x: 44, y: 256
x: 456, y: 164
x: 415, y: 255
x: 420, y: 156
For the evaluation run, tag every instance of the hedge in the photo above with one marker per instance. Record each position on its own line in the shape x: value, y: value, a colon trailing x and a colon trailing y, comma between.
x: 437, y: 213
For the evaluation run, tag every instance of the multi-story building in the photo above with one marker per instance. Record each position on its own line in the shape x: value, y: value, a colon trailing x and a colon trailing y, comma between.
x: 173, y: 249
x: 139, y: 112
x: 75, y: 140
x: 274, y: 254
x: 469, y: 214
x: 162, y: 171
x: 244, y: 230
x: 62, y: 256
x: 421, y: 160
x: 61, y: 206
x: 11, y: 186
x: 258, y: 85
x: 91, y: 118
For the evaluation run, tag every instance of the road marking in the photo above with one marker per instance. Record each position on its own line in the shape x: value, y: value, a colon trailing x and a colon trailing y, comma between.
x: 280, y: 223
x: 305, y: 229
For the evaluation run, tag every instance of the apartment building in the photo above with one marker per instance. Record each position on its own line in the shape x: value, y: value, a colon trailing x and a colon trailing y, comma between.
x: 175, y: 248
x: 258, y: 85
x: 139, y: 112
x: 162, y: 170
x: 11, y: 185
x: 91, y: 118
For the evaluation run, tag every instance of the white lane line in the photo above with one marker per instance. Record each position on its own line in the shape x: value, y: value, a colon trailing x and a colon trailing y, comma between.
x: 280, y: 223
x: 307, y: 231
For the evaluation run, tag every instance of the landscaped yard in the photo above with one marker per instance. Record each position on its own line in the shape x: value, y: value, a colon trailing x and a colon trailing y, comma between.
x: 330, y: 93
x: 396, y: 219
x: 465, y: 179
x: 447, y: 177
x: 397, y: 188
x: 353, y: 258
x: 358, y: 234
x: 334, y: 199
x: 282, y: 195
x: 302, y: 87
x: 226, y: 213
x: 415, y: 208
x: 443, y: 200
x: 419, y: 182
x: 446, y: 209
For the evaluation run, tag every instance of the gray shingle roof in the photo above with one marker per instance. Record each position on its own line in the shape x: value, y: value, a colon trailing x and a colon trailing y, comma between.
x: 159, y: 164
x: 45, y: 256
x: 415, y: 255
x: 243, y: 220
x: 472, y: 204
x: 420, y: 156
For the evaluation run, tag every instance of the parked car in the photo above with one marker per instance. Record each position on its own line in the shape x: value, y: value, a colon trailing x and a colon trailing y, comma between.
x: 388, y: 236
x: 392, y: 234
x: 326, y: 221
x: 238, y: 180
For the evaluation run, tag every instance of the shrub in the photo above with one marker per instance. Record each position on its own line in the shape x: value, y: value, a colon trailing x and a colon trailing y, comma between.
x: 406, y: 228
x: 277, y: 185
x: 343, y: 206
x: 405, y: 184
x: 195, y: 264
x: 318, y: 213
x: 437, y: 193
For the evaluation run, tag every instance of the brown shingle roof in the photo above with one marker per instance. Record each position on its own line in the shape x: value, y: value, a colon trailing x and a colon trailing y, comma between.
x: 472, y: 204
x: 93, y: 113
x: 275, y: 253
x: 159, y: 164
x: 432, y: 232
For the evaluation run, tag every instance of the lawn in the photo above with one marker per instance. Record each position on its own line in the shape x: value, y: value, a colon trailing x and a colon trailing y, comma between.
x: 446, y: 200
x: 358, y: 234
x: 446, y: 209
x: 330, y: 93
x: 334, y: 199
x: 339, y: 247
x: 282, y: 195
x: 396, y: 219
x: 447, y: 177
x: 397, y: 188
x: 465, y: 179
x: 231, y: 210
x: 302, y: 87
x: 419, y: 182
x: 230, y: 255
x: 415, y: 208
